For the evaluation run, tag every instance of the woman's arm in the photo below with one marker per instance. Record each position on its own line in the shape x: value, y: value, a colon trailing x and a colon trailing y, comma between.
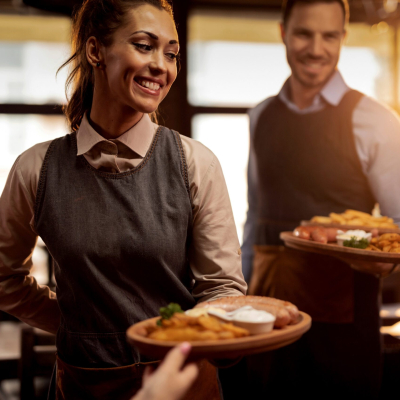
x: 20, y: 294
x: 215, y: 255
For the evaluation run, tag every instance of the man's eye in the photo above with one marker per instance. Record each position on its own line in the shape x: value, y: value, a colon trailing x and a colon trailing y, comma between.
x: 142, y: 46
x: 330, y: 37
x: 302, y: 34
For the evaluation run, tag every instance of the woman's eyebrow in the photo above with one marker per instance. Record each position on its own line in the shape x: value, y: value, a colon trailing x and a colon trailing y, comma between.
x: 155, y: 37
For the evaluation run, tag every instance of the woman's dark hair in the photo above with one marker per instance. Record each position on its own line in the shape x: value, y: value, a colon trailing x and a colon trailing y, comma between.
x: 289, y: 4
x: 98, y: 18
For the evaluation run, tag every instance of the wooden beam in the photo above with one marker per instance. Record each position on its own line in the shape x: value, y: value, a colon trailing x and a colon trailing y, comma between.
x: 174, y: 110
x: 45, y: 109
x: 219, y: 110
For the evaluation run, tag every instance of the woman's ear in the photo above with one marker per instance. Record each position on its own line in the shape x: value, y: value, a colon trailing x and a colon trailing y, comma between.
x: 283, y: 32
x: 93, y: 52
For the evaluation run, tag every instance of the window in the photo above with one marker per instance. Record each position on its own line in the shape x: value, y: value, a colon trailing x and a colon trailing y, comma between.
x: 226, y: 135
x: 31, y: 50
x: 19, y: 132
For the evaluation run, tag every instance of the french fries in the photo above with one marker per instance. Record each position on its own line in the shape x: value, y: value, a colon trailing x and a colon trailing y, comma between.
x: 388, y: 242
x: 356, y: 218
x: 181, y: 327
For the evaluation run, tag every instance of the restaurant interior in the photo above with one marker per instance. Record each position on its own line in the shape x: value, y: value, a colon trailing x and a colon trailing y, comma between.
x: 232, y: 58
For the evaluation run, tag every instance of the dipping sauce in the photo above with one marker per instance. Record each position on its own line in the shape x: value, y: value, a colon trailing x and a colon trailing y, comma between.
x: 252, y: 316
x: 358, y: 234
x: 197, y: 312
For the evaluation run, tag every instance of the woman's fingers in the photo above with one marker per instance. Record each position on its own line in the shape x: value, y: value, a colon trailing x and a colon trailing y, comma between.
x: 176, y: 357
x: 147, y: 373
x: 190, y: 373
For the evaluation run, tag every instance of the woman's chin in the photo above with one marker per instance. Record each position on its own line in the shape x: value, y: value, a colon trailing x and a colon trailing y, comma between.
x: 145, y: 108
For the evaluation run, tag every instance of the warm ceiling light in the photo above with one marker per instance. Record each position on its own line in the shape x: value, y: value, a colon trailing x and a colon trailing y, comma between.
x: 393, y: 330
x: 384, y: 313
x: 390, y: 5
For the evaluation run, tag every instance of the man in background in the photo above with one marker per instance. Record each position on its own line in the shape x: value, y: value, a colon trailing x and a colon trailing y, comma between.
x: 319, y: 147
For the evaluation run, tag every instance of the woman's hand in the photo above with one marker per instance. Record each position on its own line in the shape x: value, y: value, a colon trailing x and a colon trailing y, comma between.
x: 170, y: 381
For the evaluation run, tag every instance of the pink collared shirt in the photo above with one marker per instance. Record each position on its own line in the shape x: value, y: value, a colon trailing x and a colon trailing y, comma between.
x: 116, y: 155
x: 215, y: 256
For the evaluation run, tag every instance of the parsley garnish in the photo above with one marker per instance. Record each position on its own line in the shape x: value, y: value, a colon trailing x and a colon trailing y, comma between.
x: 357, y: 244
x: 169, y: 311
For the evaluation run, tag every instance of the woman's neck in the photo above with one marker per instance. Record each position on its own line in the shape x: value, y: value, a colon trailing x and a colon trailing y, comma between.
x: 113, y: 121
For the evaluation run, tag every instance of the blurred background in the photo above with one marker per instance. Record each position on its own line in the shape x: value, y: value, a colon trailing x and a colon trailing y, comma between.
x: 232, y: 58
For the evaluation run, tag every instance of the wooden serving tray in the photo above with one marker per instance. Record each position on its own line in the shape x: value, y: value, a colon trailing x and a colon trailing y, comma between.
x: 351, y: 227
x: 332, y: 249
x: 219, y: 349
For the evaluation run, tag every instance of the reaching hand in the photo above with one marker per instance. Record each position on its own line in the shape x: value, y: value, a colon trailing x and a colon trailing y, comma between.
x: 169, y: 381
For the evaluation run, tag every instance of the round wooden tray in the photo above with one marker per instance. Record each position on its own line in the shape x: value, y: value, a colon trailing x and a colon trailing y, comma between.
x: 351, y: 227
x: 220, y: 349
x: 338, y: 251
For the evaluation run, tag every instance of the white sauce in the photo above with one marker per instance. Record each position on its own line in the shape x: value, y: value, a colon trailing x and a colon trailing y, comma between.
x: 198, y: 312
x: 359, y: 234
x: 252, y: 316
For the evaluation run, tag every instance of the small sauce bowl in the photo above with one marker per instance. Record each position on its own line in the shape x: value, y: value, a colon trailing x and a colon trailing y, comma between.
x: 255, y: 321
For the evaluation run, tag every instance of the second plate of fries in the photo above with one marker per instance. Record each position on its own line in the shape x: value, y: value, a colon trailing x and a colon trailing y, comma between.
x: 210, y: 338
x: 385, y: 248
x: 353, y: 219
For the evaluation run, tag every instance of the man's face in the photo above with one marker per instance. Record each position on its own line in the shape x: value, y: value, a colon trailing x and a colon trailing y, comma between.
x: 313, y: 36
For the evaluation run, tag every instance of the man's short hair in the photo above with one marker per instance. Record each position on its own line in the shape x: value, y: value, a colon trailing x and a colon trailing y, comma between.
x: 289, y: 4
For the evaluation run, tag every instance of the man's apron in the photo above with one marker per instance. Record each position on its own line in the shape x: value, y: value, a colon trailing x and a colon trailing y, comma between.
x: 307, y: 165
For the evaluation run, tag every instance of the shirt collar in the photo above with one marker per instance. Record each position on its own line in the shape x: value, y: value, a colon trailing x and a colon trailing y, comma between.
x: 138, y: 138
x: 332, y: 92
x: 335, y: 89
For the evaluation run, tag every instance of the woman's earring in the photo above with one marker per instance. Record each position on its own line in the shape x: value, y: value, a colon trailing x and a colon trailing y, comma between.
x: 97, y: 64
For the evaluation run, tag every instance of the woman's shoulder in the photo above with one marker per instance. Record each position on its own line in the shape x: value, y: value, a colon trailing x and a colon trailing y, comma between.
x: 203, y: 165
x: 199, y: 157
x: 196, y: 152
x: 30, y: 164
x: 32, y: 159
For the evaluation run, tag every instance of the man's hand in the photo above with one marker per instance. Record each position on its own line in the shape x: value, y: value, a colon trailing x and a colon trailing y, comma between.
x: 169, y: 381
x: 380, y: 270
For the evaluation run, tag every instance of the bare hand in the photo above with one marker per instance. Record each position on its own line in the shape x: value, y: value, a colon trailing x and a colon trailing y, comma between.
x: 380, y: 270
x: 169, y: 381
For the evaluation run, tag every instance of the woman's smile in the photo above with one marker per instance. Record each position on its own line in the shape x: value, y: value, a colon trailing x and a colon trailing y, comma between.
x: 140, y: 64
x: 151, y: 86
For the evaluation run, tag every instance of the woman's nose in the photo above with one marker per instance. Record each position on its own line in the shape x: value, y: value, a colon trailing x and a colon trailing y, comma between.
x: 157, y: 63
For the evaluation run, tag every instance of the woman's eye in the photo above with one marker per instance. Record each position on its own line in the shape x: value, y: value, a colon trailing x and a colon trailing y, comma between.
x: 142, y: 46
x: 172, y: 56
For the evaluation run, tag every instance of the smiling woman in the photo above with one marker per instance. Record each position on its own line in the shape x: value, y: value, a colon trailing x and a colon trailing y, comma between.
x: 126, y: 63
x: 134, y: 215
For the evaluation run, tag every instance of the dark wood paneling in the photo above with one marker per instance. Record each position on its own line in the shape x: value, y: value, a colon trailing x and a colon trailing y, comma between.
x: 47, y: 109
x: 174, y: 110
x: 219, y: 110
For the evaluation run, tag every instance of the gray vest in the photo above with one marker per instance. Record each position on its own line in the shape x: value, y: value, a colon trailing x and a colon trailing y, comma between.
x: 307, y: 165
x: 119, y: 243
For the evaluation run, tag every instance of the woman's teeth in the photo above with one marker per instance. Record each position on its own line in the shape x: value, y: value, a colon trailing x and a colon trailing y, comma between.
x: 149, y: 85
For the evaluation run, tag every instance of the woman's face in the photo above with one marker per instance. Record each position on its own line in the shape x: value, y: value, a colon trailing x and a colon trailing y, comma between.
x: 140, y: 65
